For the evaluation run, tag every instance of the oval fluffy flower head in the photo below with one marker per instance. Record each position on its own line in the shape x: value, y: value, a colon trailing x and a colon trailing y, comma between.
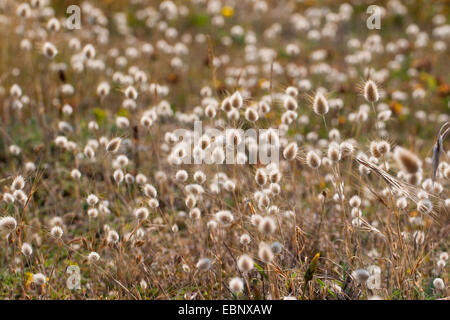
x: 89, y: 152
x: 255, y: 219
x: 190, y: 201
x: 290, y: 152
x: 265, y: 253
x: 439, y: 284
x: 236, y: 100
x: 131, y: 93
x: 224, y: 217
x: 226, y: 105
x: 260, y: 177
x: 92, y: 200
x: 347, y: 149
x: 424, y: 206
x: 333, y: 152
x: 195, y: 213
x: 374, y: 149
x: 113, y: 237
x: 150, y: 191
x: 199, y: 177
x: 89, y: 51
x: 122, y: 122
x: 371, y: 91
x: 245, y: 263
x: 103, y: 89
x: 141, y: 179
x: 153, y: 203
x: 57, y: 232
x: 204, y: 264
x: 141, y: 213
x: 92, y: 213
x: 313, y: 160
x: 290, y: 103
x: 383, y: 147
x: 7, y: 225
x: 39, y: 279
x: 276, y: 247
x: 407, y: 161
x: 251, y: 114
x: 49, y: 50
x: 93, y: 257
x: 267, y: 225
x: 236, y: 285
x: 245, y: 239
x: 18, y: 183
x: 27, y: 249
x: 20, y: 196
x: 113, y: 145
x: 14, y: 149
x: 355, y: 201
x: 292, y: 91
x: 181, y: 175
x: 118, y: 176
x: 320, y: 104
x: 361, y: 275
x: 75, y: 174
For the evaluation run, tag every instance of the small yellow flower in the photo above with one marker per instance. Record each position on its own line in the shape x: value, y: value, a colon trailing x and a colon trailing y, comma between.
x: 227, y: 11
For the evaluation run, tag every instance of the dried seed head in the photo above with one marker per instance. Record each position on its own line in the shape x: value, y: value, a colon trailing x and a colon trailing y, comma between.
x: 333, y: 152
x: 236, y: 100
x: 118, y: 176
x: 290, y: 152
x: 141, y: 213
x: 290, y: 103
x: 39, y: 279
x: 195, y: 213
x: 236, y: 285
x: 57, y: 232
x: 27, y: 249
x: 190, y: 201
x: 7, y: 225
x: 361, y: 275
x: 18, y: 183
x: 439, y: 284
x: 245, y: 263
x: 150, y: 191
x: 407, y: 160
x: 113, y: 145
x: 92, y: 200
x: 260, y: 177
x: 313, y: 160
x: 267, y: 225
x: 265, y: 253
x: 224, y: 217
x: 374, y: 149
x: 244, y: 239
x: 113, y: 237
x: 203, y: 264
x: 346, y: 148
x: 383, y: 147
x: 371, y: 91
x: 226, y: 105
x: 251, y: 114
x: 93, y: 257
x: 320, y: 104
x: 355, y: 201
x: 49, y: 50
